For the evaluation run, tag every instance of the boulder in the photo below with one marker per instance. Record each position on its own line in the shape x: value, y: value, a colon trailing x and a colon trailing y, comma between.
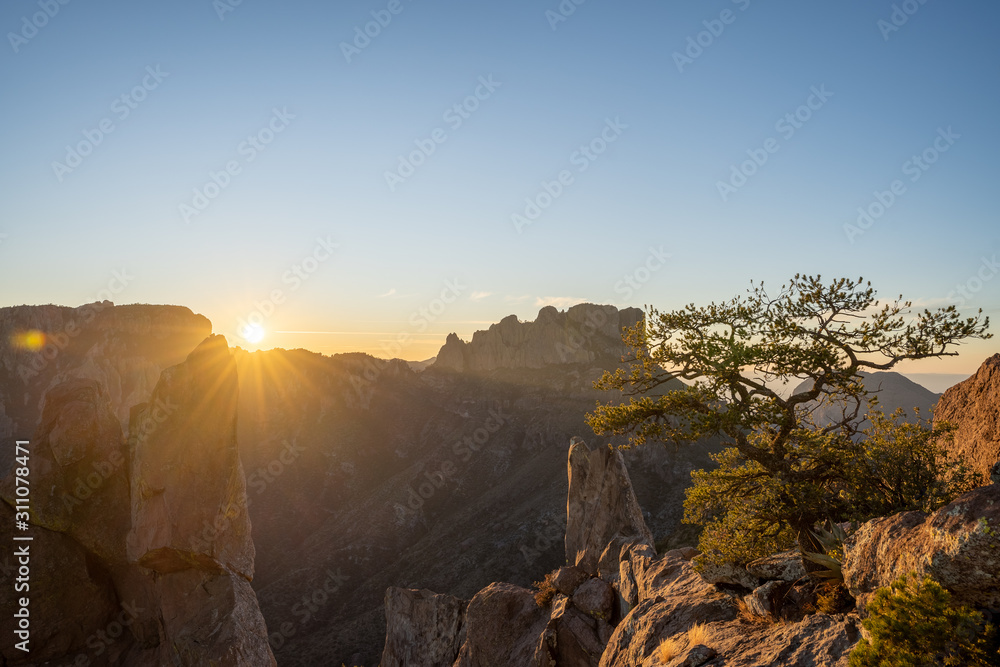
x: 600, y: 505
x: 763, y: 601
x: 595, y: 598
x: 189, y: 506
x: 571, y: 638
x: 568, y: 578
x: 211, y: 619
x: 786, y: 566
x: 973, y: 406
x: 730, y: 574
x: 958, y: 545
x: 503, y: 627
x: 423, y: 629
x: 697, y: 655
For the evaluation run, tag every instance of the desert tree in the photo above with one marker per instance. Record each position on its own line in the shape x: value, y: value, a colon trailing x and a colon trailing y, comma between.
x: 783, y: 471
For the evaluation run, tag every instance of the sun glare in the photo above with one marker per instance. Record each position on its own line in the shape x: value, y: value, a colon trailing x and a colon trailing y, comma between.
x: 253, y: 333
x: 31, y: 340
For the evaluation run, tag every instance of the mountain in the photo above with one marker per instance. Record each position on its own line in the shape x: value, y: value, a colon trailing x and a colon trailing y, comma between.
x: 973, y: 406
x: 893, y: 391
x: 361, y: 473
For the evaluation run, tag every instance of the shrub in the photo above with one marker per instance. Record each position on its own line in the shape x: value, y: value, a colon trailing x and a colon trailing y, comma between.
x: 546, y: 590
x: 912, y: 623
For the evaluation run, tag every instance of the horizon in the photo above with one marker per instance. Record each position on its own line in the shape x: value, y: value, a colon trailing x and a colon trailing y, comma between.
x: 463, y: 162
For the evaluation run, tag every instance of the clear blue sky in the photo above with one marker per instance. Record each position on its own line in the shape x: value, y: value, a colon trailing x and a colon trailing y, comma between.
x: 678, y: 128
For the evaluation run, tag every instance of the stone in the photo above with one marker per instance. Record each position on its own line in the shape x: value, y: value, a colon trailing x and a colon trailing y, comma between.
x: 211, y: 619
x: 763, y: 601
x: 423, y: 629
x: 958, y: 545
x: 600, y: 505
x: 697, y: 655
x: 595, y: 598
x: 973, y: 406
x: 570, y: 638
x: 786, y: 566
x: 189, y: 505
x: 730, y: 574
x: 568, y: 578
x: 503, y: 627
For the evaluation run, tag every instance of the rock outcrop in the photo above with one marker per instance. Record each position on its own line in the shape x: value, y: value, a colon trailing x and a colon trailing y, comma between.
x: 958, y: 545
x: 503, y: 626
x: 581, y: 335
x: 95, y: 598
x: 80, y: 460
x: 600, y: 505
x: 188, y: 488
x: 972, y: 406
x: 423, y: 629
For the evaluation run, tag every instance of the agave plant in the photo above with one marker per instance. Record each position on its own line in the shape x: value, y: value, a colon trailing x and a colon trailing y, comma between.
x: 831, y: 537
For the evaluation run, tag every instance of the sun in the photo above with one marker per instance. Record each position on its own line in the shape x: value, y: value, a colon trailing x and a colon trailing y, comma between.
x: 253, y: 333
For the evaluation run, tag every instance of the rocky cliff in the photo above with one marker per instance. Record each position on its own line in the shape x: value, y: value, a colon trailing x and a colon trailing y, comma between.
x: 123, y: 348
x: 974, y: 407
x: 584, y: 334
x: 141, y: 555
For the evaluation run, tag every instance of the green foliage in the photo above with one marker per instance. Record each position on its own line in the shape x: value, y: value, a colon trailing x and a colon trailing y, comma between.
x: 783, y: 473
x: 912, y: 623
x: 831, y: 540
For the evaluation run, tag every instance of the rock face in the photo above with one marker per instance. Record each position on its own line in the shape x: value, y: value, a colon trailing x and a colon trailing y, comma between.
x: 600, y: 505
x: 583, y: 334
x: 188, y: 488
x: 958, y: 545
x: 974, y: 407
x: 79, y: 457
x: 502, y: 628
x: 423, y: 629
x: 94, y: 597
x: 123, y: 348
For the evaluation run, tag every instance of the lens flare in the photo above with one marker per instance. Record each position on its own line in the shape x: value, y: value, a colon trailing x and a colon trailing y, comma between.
x: 29, y: 341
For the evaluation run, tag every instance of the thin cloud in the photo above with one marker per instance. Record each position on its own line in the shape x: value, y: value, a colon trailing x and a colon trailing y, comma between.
x: 389, y: 293
x: 479, y: 296
x: 558, y: 301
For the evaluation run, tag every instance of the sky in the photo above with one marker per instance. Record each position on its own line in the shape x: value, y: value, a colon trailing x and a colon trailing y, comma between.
x: 370, y: 176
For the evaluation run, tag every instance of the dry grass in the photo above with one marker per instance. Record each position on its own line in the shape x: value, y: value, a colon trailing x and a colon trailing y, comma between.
x: 698, y: 634
x: 669, y: 649
x: 747, y: 616
x: 545, y: 590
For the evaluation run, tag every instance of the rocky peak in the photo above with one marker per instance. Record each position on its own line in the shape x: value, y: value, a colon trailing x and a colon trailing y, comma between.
x: 973, y: 406
x: 584, y: 334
